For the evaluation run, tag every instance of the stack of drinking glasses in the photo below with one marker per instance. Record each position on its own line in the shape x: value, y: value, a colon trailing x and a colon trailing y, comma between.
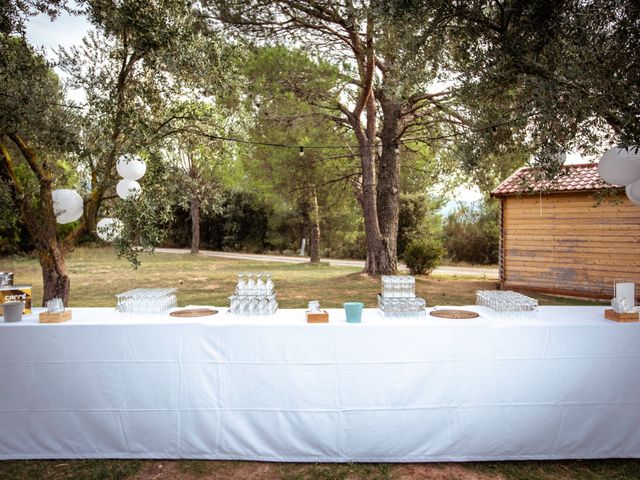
x: 255, y: 295
x: 399, y: 299
x: 506, y: 301
x: 146, y: 300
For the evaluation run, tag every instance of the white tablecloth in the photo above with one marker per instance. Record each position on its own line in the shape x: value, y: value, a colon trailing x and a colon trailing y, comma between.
x: 563, y: 384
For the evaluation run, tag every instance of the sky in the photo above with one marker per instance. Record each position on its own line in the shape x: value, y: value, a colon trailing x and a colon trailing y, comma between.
x: 68, y: 30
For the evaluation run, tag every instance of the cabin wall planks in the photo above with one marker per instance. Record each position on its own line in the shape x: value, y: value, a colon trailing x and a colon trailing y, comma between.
x: 566, y: 243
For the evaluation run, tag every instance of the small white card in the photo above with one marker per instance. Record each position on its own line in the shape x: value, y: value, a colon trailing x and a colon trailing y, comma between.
x: 627, y: 291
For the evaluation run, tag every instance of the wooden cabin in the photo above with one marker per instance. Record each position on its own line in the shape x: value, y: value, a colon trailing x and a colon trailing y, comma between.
x: 566, y: 237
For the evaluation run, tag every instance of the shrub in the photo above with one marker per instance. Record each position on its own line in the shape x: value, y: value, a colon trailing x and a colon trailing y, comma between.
x: 472, y: 233
x: 422, y: 256
x: 418, y: 218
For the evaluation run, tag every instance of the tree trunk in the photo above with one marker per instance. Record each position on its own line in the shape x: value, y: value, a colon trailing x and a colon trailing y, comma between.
x: 379, y: 256
x: 51, y: 252
x: 195, y: 224
x: 56, y: 283
x: 314, y: 218
x: 91, y: 209
x: 388, y: 191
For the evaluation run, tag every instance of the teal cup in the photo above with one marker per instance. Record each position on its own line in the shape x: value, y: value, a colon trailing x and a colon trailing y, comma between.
x: 353, y: 311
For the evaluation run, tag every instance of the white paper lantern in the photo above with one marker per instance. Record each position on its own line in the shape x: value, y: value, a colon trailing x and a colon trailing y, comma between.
x: 560, y: 158
x: 67, y: 205
x: 633, y: 192
x: 128, y: 189
x: 131, y: 167
x: 619, y: 166
x: 108, y: 229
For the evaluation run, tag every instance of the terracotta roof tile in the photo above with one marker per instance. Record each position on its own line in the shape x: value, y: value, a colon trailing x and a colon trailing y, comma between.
x: 572, y: 178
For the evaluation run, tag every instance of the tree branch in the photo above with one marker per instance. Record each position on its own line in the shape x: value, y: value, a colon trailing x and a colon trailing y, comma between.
x: 8, y: 174
x: 42, y: 175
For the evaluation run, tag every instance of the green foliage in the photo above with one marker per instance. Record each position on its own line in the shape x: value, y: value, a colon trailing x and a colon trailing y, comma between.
x: 13, y: 236
x: 283, y: 73
x: 534, y: 79
x: 418, y: 219
x: 201, y: 165
x: 561, y: 67
x: 422, y: 256
x: 240, y: 222
x: 154, y: 76
x: 282, y: 83
x: 14, y: 13
x: 244, y: 224
x: 245, y: 221
x: 31, y: 102
x: 286, y: 228
x: 472, y: 233
x: 146, y: 218
x: 390, y: 91
x: 343, y: 233
x: 31, y: 110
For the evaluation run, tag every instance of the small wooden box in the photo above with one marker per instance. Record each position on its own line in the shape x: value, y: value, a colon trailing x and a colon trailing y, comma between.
x: 322, y: 317
x: 611, y: 314
x: 58, y: 317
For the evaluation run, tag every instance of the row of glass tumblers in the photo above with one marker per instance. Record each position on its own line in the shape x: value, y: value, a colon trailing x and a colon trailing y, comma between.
x: 506, y: 301
x: 253, y: 304
x: 146, y: 300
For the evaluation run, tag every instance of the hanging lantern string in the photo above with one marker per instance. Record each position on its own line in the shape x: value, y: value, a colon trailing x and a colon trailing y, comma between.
x: 396, y: 144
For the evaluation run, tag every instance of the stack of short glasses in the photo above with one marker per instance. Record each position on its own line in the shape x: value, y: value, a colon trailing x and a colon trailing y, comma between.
x: 506, y: 301
x: 398, y: 298
x: 254, y: 295
x: 146, y: 300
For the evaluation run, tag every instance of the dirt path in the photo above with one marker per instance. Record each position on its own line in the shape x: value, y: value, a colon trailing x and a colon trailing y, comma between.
x: 481, y: 272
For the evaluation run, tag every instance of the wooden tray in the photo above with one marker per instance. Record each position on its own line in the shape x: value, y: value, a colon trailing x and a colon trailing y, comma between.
x: 194, y: 312
x: 458, y: 314
x: 611, y: 314
x: 59, y: 317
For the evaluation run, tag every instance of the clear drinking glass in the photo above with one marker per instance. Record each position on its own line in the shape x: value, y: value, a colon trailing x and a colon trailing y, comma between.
x: 251, y: 284
x: 273, y: 305
x: 55, y: 305
x: 263, y: 306
x: 259, y: 284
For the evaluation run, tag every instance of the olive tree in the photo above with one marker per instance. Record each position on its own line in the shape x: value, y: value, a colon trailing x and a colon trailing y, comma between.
x: 36, y: 135
x: 561, y: 74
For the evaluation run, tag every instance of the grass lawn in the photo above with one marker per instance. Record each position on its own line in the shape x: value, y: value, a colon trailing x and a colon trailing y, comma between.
x: 96, y: 276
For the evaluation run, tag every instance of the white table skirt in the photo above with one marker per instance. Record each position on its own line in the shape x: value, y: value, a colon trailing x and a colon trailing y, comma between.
x: 563, y: 384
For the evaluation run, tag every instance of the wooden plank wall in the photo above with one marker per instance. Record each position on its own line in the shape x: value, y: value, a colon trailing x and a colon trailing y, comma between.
x: 566, y: 244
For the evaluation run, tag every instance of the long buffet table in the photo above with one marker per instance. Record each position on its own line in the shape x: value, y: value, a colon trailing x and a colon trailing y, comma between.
x: 563, y: 383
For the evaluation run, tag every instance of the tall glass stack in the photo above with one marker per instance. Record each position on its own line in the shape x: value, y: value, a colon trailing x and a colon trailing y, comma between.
x: 146, y: 300
x: 254, y: 295
x: 398, y: 298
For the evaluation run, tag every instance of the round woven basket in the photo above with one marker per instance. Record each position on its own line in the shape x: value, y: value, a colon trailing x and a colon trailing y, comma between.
x: 194, y: 312
x: 458, y: 314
